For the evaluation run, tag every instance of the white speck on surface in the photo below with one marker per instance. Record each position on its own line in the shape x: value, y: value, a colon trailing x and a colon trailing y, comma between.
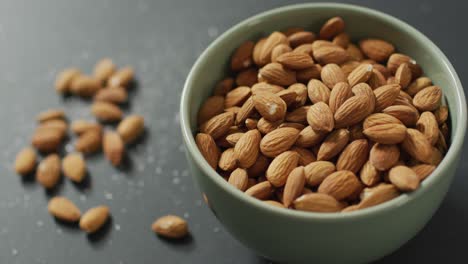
x: 14, y: 251
x: 216, y: 229
x: 82, y: 197
x: 186, y: 215
x: 176, y: 180
x: 59, y: 231
x: 39, y: 223
x: 272, y: 108
x: 108, y: 195
x: 158, y: 170
x: 213, y: 31
x: 117, y: 227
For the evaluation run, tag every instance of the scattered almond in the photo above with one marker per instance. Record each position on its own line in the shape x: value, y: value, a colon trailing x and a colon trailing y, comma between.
x: 113, y: 147
x: 121, y: 78
x: 74, y: 167
x: 25, y: 161
x: 130, y: 128
x: 115, y: 95
x: 170, y: 226
x: 93, y: 219
x: 106, y: 112
x: 89, y: 142
x: 65, y: 79
x: 48, y: 171
x: 63, y: 209
x: 50, y: 115
x: 404, y: 178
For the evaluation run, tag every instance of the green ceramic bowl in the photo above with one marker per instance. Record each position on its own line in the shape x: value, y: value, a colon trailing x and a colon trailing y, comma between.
x: 301, y: 237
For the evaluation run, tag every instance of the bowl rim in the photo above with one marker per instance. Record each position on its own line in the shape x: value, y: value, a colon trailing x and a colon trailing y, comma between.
x: 456, y: 144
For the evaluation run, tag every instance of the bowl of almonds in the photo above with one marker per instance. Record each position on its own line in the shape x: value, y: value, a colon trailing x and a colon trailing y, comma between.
x: 324, y: 133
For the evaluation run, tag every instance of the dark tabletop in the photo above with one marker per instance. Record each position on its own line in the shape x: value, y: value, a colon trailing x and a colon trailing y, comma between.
x: 161, y: 39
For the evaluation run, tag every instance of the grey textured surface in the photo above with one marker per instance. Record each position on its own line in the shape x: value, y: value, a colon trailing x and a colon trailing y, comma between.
x: 161, y: 39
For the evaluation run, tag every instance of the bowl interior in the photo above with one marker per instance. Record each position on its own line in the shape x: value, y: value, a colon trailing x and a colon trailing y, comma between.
x: 212, y: 65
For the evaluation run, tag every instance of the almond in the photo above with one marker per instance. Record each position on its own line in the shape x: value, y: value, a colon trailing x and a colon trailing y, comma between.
x: 234, y: 137
x: 65, y: 78
x: 271, y: 42
x: 251, y: 123
x: 294, y: 186
x: 304, y: 48
x: 349, y: 66
x: 85, y: 86
x: 224, y: 86
x: 423, y: 170
x: 318, y: 92
x: 428, y: 99
x: 330, y: 54
x: 247, y: 148
x: 25, y: 161
x: 417, y: 146
x: 386, y: 133
x: 239, y: 179
x: 228, y: 161
x: 320, y: 117
x: 342, y: 40
x: 247, y: 77
x: 261, y: 191
x: 89, y: 142
x: 63, y: 209
x: 317, y: 202
x: 218, y: 125
x: 385, y: 96
x: 299, y: 115
x: 275, y: 73
x: 379, y: 194
x: 317, y: 171
x: 380, y: 119
x: 121, y: 78
x: 237, y: 96
x: 305, y: 156
x: 170, y: 226
x: 266, y: 87
x: 242, y: 57
x: 279, y: 169
x: 404, y: 178
x: 363, y: 89
x: 305, y: 75
x: 301, y: 94
x: 130, y: 128
x: 260, y: 166
x: 418, y: 84
x: 116, y: 95
x: 288, y: 96
x: 383, y: 157
x: 339, y: 94
x: 81, y: 126
x: 408, y: 115
x: 369, y: 175
x: 333, y: 144
x: 309, y: 137
x: 376, y: 49
x: 256, y: 51
x: 352, y: 111
x: 270, y: 106
x: 340, y: 184
x: 274, y: 203
x: 113, y: 147
x: 332, y: 27
x: 441, y: 114
x: 278, y: 141
x: 46, y: 139
x: 265, y: 126
x: 403, y: 75
x: 208, y: 149
x: 56, y: 124
x: 74, y: 167
x: 354, y: 52
x: 279, y: 50
x: 93, y: 219
x: 104, y: 69
x: 427, y: 124
x: 48, y: 171
x: 295, y: 60
x: 353, y: 156
x: 396, y: 59
x: 376, y: 79
x: 361, y: 74
x: 332, y: 74
x: 106, y: 112
x: 50, y: 115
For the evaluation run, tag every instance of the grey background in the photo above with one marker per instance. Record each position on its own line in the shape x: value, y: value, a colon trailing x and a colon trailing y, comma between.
x: 161, y: 39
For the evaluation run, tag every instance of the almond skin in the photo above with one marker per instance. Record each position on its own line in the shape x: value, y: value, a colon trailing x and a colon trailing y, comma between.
x: 239, y: 179
x: 261, y: 191
x: 302, y: 37
x: 295, y: 60
x: 279, y: 50
x: 379, y: 194
x: 25, y: 161
x: 317, y: 171
x: 318, y: 92
x: 361, y: 74
x: 245, y: 111
x: 303, y: 76
x: 423, y: 170
x: 376, y: 49
x: 260, y: 166
x: 65, y: 78
x: 104, y: 69
x: 218, y: 125
x: 48, y: 171
x: 234, y: 137
x: 428, y: 99
x: 89, y: 142
x: 404, y: 178
x: 340, y: 184
x: 309, y: 137
x: 224, y: 86
x: 317, y: 202
x: 294, y: 186
x: 380, y: 119
x: 113, y: 147
x: 396, y: 59
x: 170, y: 226
x: 247, y: 77
x: 279, y: 169
x: 332, y: 27
x: 353, y: 156
x: 288, y: 96
x: 247, y: 148
x: 363, y: 89
x: 299, y: 115
x: 330, y: 54
x: 131, y: 127
x: 333, y: 144
x: 403, y: 75
x: 332, y: 74
x: 385, y: 96
x: 276, y: 73
x: 237, y: 96
x: 213, y: 105
x: 106, y: 112
x: 278, y: 141
x: 50, y: 115
x: 80, y: 126
x: 427, y: 124
x: 369, y: 175
x: 441, y: 114
x: 265, y: 126
x: 121, y: 78
x: 227, y: 161
x: 339, y: 94
x: 93, y: 219
x: 74, y: 167
x: 266, y: 87
x: 242, y: 57
x: 270, y: 106
x: 85, y: 86
x: 274, y: 39
x: 46, y: 139
x: 352, y: 111
x: 63, y: 209
x: 386, y: 133
x: 418, y: 84
x: 208, y: 149
x: 383, y: 157
x: 417, y: 146
x: 408, y: 115
x: 305, y: 156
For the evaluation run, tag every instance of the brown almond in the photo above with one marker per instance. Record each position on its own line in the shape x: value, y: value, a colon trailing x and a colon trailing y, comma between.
x: 376, y: 49
x: 304, y: 48
x: 417, y: 146
x: 261, y: 191
x: 274, y: 203
x: 423, y: 170
x: 237, y: 96
x: 294, y: 186
x: 355, y: 132
x: 380, y: 119
x: 279, y: 169
x: 352, y: 111
x: 265, y: 126
x: 318, y: 92
x: 354, y: 52
x: 396, y: 59
x: 342, y: 40
x: 418, y: 84
x: 332, y: 74
x: 80, y: 126
x: 208, y: 149
x: 408, y: 115
x: 260, y: 166
x: 25, y: 161
x: 85, y: 86
x: 251, y: 123
x: 354, y: 155
x: 239, y: 179
x: 339, y: 94
x: 379, y: 194
x: 317, y: 202
x: 48, y: 171
x: 386, y: 133
x: 301, y: 94
x: 65, y: 78
x: 59, y: 125
x: 305, y: 75
x: 403, y: 75
x: 50, y: 114
x: 218, y: 125
x: 300, y: 38
x: 305, y: 156
x: 63, y: 209
x: 317, y: 171
x: 369, y: 174
x: 333, y: 144
x: 276, y: 73
x: 46, y: 139
x: 340, y: 184
x: 228, y: 161
x: 121, y: 78
x: 113, y: 147
x: 320, y: 117
x: 106, y: 112
x: 330, y: 54
x: 247, y: 77
x: 93, y: 219
x: 385, y: 96
x: 224, y: 86
x: 427, y: 124
x: 288, y: 96
x: 295, y: 60
x: 332, y: 27
x: 349, y: 66
x: 234, y: 137
x: 247, y: 148
x: 383, y: 157
x: 170, y: 226
x: 376, y: 79
x: 271, y: 42
x: 115, y: 95
x: 266, y: 87
x: 74, y: 167
x: 131, y: 127
x: 89, y: 142
x: 428, y: 99
x: 104, y: 69
x: 242, y: 57
x: 404, y: 178
x: 309, y: 137
x: 270, y: 106
x: 363, y: 89
x: 441, y: 114
x: 256, y: 51
x: 279, y: 50
x: 361, y: 74
x: 278, y: 141
x: 299, y: 115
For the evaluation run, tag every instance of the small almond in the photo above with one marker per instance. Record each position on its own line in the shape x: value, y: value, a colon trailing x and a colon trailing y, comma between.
x: 104, y: 69
x: 242, y: 57
x: 63, y: 209
x: 106, y: 112
x: 418, y: 84
x: 441, y: 114
x: 266, y: 87
x: 320, y: 117
x: 270, y: 106
x: 247, y: 77
x: 93, y: 219
x: 81, y: 126
x: 218, y: 125
x: 247, y: 148
x: 423, y: 170
x: 278, y: 141
x: 85, y: 86
x: 363, y: 89
x: 260, y: 166
x: 288, y: 96
x: 113, y: 147
x: 330, y: 54
x: 376, y: 49
x: 318, y: 92
x: 227, y: 161
x: 354, y: 52
x: 48, y: 171
x: 294, y: 186
x: 267, y: 47
x: 379, y: 194
x: 408, y: 115
x: 306, y: 75
x: 245, y: 111
x: 224, y: 86
x: 46, y: 139
x: 380, y: 119
x: 428, y: 99
x: 317, y: 202
x: 376, y: 79
x: 332, y: 74
x: 403, y: 75
x: 234, y: 138
x: 369, y: 175
x: 361, y: 74
x: 339, y: 94
x: 340, y: 184
x: 386, y: 133
x: 385, y: 96
x: 279, y: 50
x: 342, y: 40
x: 333, y: 144
x: 332, y: 27
x: 417, y: 146
x: 261, y: 191
x: 237, y: 96
x: 25, y: 161
x: 208, y: 149
x: 50, y: 115
x: 396, y: 59
x: 383, y: 157
x: 115, y: 95
x: 299, y: 115
x: 427, y: 124
x: 309, y: 137
x: 276, y: 73
x: 170, y: 226
x: 300, y: 38
x: 354, y: 155
x: 239, y: 179
x: 121, y: 78
x: 130, y: 128
x: 265, y: 126
x: 74, y: 167
x: 317, y: 171
x: 279, y: 169
x: 404, y: 178
x: 295, y: 60
x: 89, y: 142
x: 352, y: 111
x: 65, y: 78
x: 305, y: 156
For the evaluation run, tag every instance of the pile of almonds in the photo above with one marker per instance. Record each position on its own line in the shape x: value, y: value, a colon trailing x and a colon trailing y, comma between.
x: 108, y: 87
x: 314, y: 122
